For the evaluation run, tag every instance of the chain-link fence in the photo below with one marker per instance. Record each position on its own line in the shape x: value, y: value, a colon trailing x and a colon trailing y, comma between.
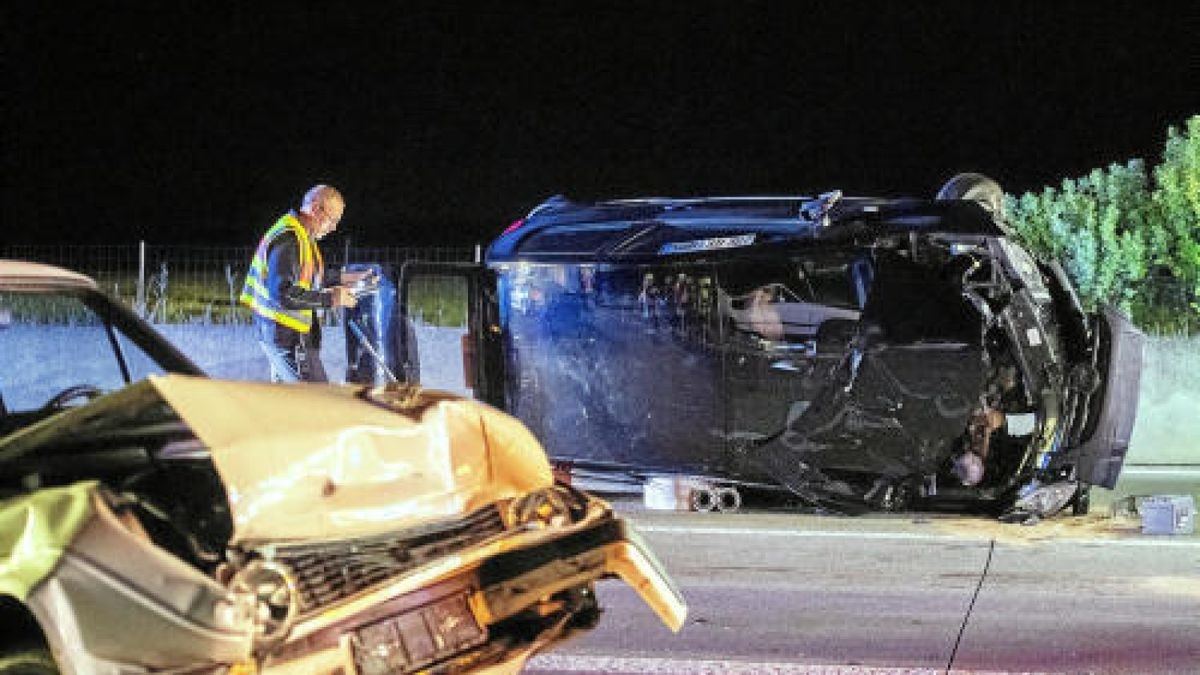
x: 201, y: 284
x: 1167, y: 306
x: 197, y: 284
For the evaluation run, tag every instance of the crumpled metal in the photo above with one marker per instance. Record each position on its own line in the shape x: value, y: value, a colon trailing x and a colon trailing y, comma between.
x: 304, y: 461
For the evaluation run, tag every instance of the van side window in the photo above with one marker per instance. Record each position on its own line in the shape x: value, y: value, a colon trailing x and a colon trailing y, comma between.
x: 787, y: 301
x: 833, y: 283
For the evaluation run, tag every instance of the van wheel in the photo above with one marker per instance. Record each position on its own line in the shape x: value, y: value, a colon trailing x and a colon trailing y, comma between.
x: 27, y: 661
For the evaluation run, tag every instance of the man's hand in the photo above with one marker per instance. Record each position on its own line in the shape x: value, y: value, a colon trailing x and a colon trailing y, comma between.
x: 352, y: 278
x: 340, y: 296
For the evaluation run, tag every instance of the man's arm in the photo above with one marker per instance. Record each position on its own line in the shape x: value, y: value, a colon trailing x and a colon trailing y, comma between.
x: 283, y: 266
x: 343, y: 277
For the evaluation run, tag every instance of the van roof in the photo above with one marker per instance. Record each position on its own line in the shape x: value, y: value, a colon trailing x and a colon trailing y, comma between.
x: 628, y: 230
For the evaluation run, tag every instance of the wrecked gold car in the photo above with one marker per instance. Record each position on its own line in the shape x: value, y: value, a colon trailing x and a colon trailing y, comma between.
x: 194, y: 525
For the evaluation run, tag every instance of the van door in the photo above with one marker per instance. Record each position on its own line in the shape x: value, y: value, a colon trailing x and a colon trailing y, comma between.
x: 448, y: 333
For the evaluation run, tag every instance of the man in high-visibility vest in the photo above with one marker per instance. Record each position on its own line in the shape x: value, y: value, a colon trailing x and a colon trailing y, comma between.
x: 287, y: 284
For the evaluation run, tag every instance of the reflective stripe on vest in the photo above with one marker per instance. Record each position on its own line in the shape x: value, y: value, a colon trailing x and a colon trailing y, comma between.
x: 255, y: 293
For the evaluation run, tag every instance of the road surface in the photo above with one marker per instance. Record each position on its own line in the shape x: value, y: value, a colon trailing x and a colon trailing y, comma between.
x: 774, y: 592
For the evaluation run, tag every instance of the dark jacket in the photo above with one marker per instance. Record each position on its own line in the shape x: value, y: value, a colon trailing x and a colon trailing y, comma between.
x: 283, y: 269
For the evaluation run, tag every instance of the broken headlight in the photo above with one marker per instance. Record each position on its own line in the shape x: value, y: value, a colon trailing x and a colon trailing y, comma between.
x: 1045, y: 500
x: 278, y: 602
x: 549, y: 507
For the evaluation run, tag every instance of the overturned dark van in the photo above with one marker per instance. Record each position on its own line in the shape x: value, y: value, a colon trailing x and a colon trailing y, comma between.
x: 862, y: 353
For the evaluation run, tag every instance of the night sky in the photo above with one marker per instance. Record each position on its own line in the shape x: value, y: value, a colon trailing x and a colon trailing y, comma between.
x: 189, y: 122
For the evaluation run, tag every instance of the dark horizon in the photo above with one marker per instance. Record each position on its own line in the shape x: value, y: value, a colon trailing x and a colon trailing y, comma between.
x: 442, y: 126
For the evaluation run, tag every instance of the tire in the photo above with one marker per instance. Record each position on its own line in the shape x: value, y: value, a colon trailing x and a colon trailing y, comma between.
x: 28, y: 661
x: 582, y: 601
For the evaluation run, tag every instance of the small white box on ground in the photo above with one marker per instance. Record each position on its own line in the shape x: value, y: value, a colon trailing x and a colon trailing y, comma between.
x: 1168, y: 514
x: 669, y: 493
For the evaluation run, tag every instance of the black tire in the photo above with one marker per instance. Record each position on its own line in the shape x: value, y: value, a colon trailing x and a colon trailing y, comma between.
x: 27, y: 661
x: 976, y: 187
x: 582, y: 601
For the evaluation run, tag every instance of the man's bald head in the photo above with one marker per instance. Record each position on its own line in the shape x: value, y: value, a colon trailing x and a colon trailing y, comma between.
x: 322, y: 209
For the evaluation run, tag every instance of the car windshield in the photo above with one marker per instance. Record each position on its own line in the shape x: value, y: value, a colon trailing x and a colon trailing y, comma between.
x: 54, y: 340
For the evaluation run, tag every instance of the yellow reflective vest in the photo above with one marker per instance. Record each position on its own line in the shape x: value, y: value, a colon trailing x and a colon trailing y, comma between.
x: 259, y: 297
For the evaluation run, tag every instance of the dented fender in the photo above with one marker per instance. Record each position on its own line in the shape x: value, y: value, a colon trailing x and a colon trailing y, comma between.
x: 93, y: 579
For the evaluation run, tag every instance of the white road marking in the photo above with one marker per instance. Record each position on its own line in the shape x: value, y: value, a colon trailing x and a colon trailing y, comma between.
x: 1172, y: 470
x: 813, y: 534
x: 631, y: 665
x: 1148, y: 541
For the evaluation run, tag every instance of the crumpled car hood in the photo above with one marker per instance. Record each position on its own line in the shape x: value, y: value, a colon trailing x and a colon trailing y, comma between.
x: 320, y: 462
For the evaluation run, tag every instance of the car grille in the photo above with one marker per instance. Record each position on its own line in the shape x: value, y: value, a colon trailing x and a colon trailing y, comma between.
x: 327, y: 573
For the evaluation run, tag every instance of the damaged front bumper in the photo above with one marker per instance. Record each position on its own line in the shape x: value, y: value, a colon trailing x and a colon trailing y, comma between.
x: 489, y: 608
x: 112, y: 602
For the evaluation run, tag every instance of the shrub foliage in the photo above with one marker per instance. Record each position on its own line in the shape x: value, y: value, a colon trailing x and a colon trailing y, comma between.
x: 1127, y: 235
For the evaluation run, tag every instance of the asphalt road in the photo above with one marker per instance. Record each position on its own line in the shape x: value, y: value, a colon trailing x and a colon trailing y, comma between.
x: 783, y: 592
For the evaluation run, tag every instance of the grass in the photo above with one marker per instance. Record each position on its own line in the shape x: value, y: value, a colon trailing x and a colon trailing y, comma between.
x: 439, y: 301
x: 436, y: 301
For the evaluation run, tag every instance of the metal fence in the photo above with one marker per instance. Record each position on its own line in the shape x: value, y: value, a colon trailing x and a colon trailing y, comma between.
x: 200, y: 284
x: 197, y: 284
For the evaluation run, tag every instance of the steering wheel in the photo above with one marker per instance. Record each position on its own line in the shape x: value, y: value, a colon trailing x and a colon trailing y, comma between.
x: 60, y: 400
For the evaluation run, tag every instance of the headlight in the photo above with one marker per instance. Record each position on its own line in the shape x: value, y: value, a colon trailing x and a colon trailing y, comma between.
x: 277, y: 601
x: 550, y: 507
x: 236, y: 613
x: 1046, y: 500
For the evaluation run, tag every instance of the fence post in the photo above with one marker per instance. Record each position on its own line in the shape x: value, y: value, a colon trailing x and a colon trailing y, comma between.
x: 141, y: 287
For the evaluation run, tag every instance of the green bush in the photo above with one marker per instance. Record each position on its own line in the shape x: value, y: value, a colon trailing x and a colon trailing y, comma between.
x: 1177, y: 197
x: 1126, y: 236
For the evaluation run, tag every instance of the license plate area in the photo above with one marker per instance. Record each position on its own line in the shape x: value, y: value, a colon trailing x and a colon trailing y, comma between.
x: 416, y: 638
